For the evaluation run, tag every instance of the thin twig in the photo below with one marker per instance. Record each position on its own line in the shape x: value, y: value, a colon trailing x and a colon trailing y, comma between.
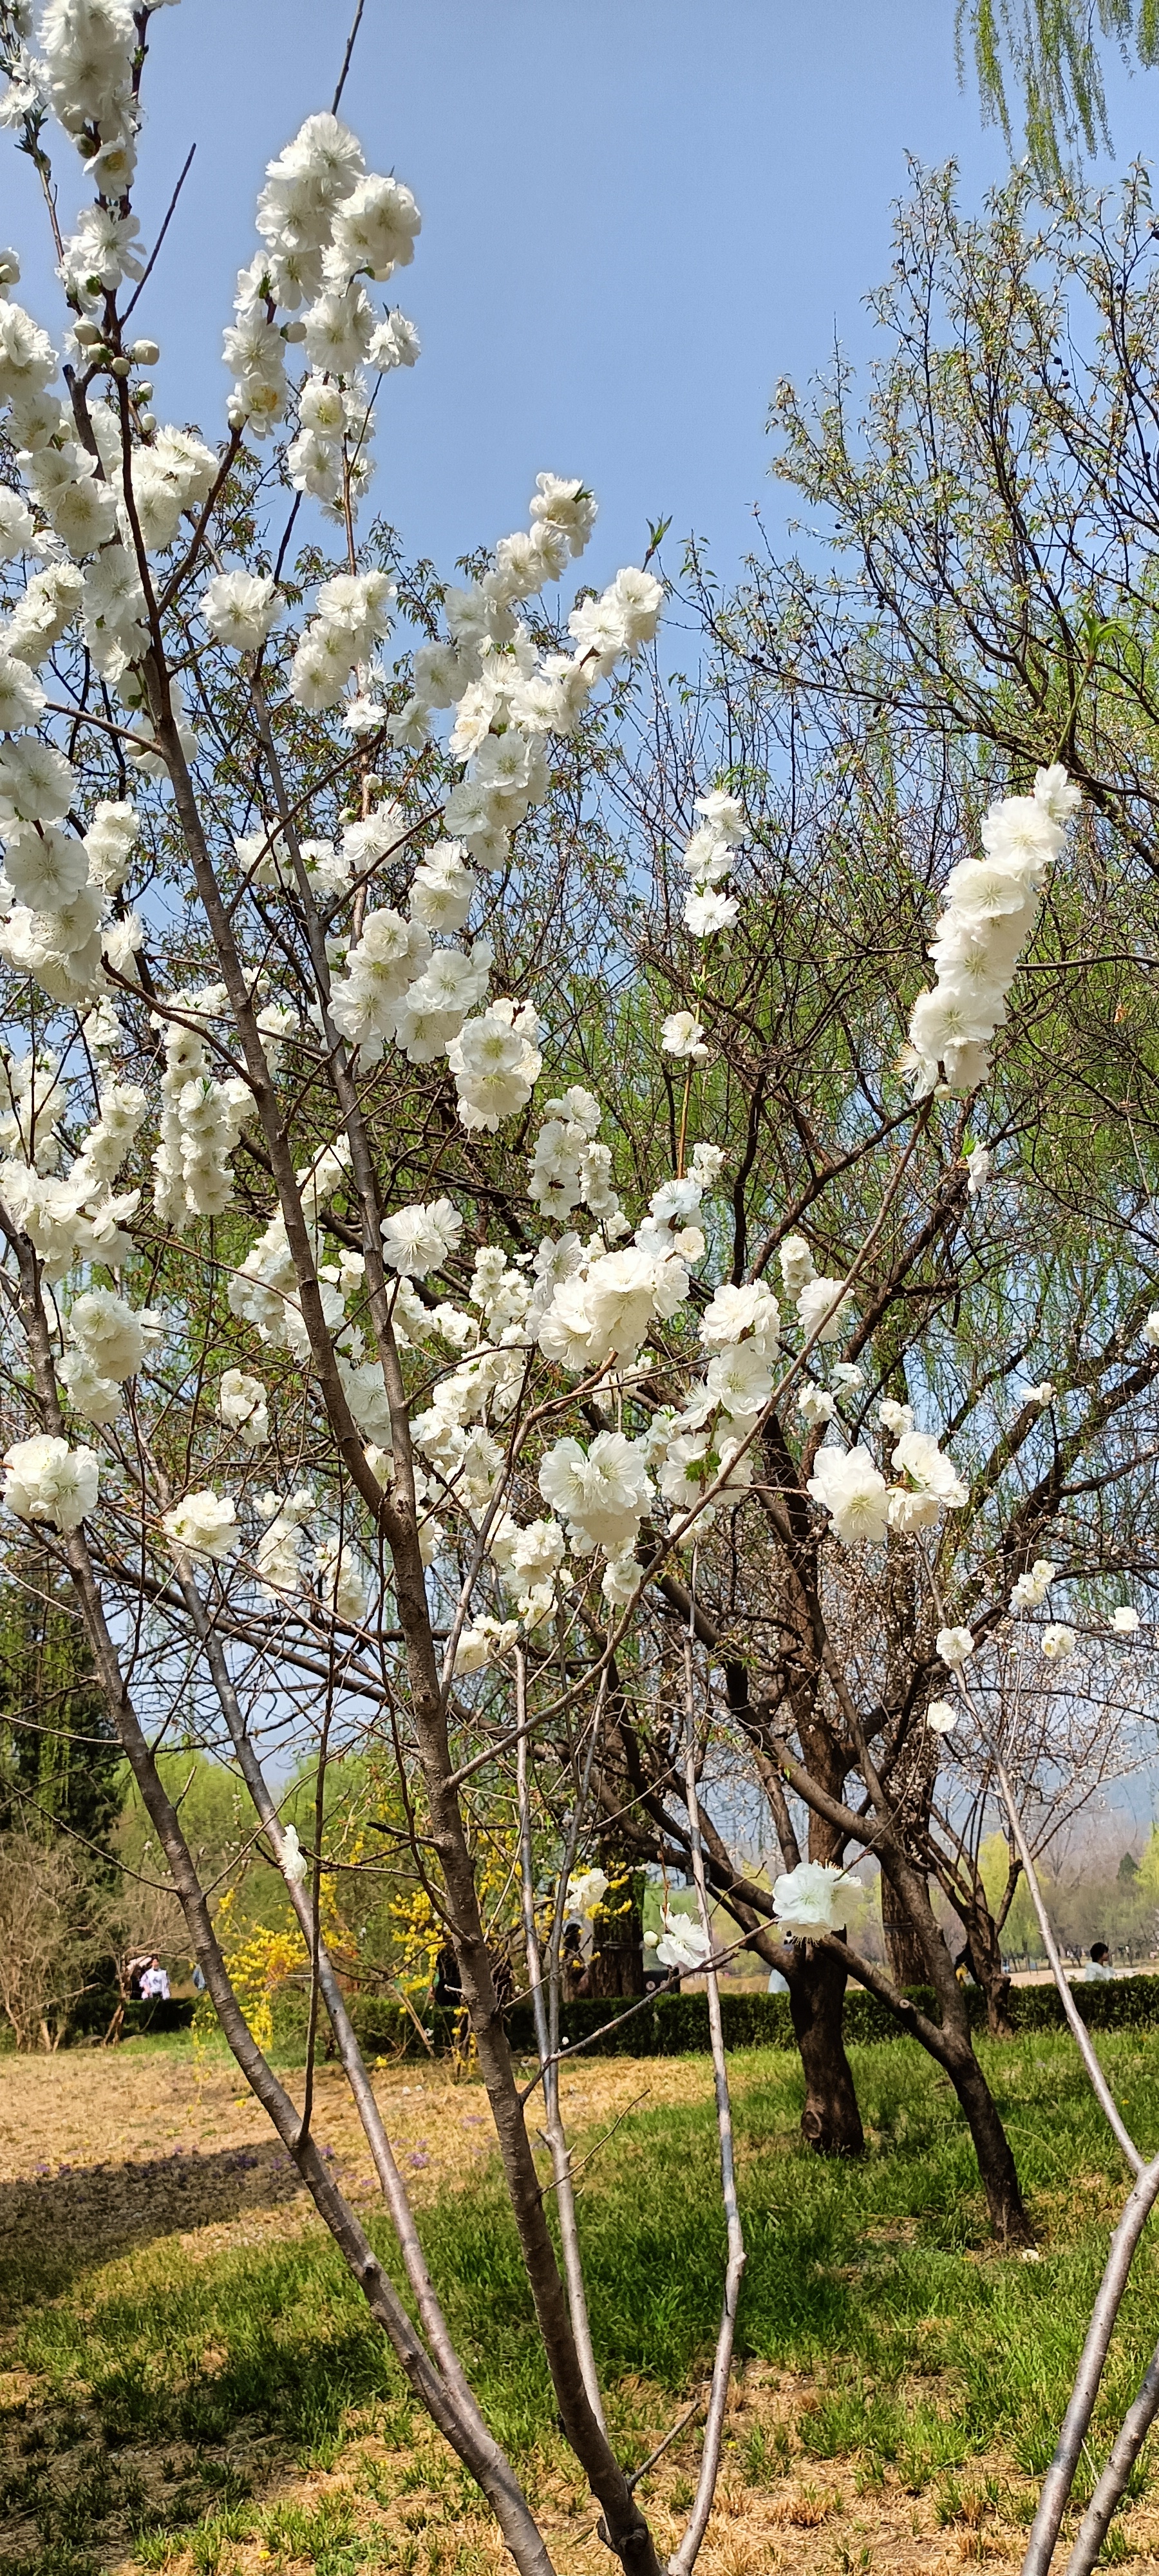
x: 151, y: 261
x: 1081, y: 2035
x: 684, y: 2558
x: 1076, y: 2422
x: 665, y: 2445
x: 555, y: 2137
x: 336, y: 101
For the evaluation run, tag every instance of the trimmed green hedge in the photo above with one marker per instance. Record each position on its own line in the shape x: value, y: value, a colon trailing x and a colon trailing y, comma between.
x: 677, y: 2025
x: 93, y: 2013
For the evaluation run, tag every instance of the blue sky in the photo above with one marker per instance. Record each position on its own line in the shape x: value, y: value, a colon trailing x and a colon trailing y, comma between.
x: 637, y: 215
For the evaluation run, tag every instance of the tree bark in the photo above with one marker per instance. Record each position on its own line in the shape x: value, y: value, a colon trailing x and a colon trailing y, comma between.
x: 830, y: 2121
x: 985, y: 1964
x: 617, y: 1961
x: 904, y: 1949
x: 996, y: 2164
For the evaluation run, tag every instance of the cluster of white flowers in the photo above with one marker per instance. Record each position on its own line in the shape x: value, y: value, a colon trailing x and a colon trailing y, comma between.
x: 239, y: 608
x: 822, y: 1304
x: 1057, y: 1641
x: 708, y: 864
x: 352, y: 614
x: 278, y: 1556
x: 80, y: 495
x: 37, y: 1101
x: 243, y: 1406
x: 326, y: 223
x: 265, y: 1293
x: 860, y: 1501
x: 397, y: 986
x: 486, y: 1642
x: 107, y: 1342
x: 531, y: 1562
x: 204, y: 1524
x: 568, y: 1168
x: 201, y: 1118
x: 603, y: 1303
x: 992, y: 907
x: 56, y: 889
x: 48, y: 1481
x: 419, y: 1239
x: 1031, y: 1589
x: 85, y: 74
x: 496, y: 1062
x: 73, y: 1217
x: 601, y: 1493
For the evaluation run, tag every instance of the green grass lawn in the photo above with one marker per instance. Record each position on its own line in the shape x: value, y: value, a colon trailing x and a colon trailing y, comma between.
x: 927, y: 2349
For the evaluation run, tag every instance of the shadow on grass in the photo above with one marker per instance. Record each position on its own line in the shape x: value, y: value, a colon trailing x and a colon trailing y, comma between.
x: 913, y: 2344
x: 57, y: 2226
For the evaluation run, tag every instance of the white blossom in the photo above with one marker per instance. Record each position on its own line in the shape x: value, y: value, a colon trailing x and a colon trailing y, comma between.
x: 243, y: 1405
x: 806, y: 1898
x: 205, y: 1523
x: 49, y: 1481
x: 239, y: 608
x: 854, y: 1493
x: 821, y: 1309
x: 683, y: 1944
x: 419, y: 1239
x: 585, y: 1894
x: 682, y: 1035
x: 1031, y: 1589
x: 991, y: 911
x: 294, y: 1864
x: 601, y: 1494
x: 796, y: 1262
x: 932, y: 1484
x: 955, y: 1646
x: 738, y: 1314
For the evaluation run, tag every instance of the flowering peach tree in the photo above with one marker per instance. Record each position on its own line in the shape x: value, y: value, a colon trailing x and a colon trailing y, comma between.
x: 344, y: 1371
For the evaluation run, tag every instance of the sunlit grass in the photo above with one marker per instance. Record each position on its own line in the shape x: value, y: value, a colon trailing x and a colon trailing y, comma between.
x: 927, y: 2348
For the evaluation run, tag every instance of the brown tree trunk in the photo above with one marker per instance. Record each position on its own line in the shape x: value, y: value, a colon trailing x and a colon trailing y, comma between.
x: 830, y: 2121
x: 996, y: 2164
x: 985, y: 1965
x: 616, y: 1966
x: 904, y: 1950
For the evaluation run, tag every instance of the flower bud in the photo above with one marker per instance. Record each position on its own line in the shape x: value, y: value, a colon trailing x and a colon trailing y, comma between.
x: 121, y: 367
x: 293, y: 331
x: 144, y: 353
x: 88, y: 334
